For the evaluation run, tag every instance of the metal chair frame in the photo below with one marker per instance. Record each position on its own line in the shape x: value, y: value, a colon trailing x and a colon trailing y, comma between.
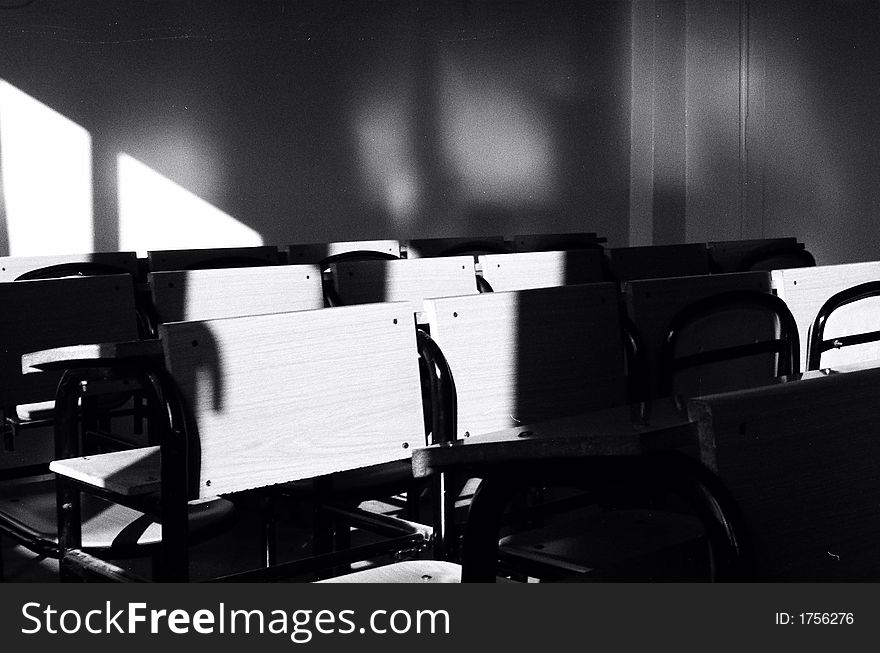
x: 818, y: 345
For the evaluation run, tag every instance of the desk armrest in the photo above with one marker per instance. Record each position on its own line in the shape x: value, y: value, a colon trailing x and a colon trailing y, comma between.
x: 128, y: 473
x: 94, y: 355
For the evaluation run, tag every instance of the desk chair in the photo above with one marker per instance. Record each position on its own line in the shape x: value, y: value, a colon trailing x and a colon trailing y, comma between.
x: 51, y: 313
x: 674, y: 539
x: 800, y: 460
x: 56, y: 266
x: 248, y: 403
x: 517, y: 358
x: 406, y: 280
x: 855, y: 329
x: 520, y: 359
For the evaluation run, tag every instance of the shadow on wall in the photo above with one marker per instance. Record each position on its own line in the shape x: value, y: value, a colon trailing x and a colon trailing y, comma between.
x: 340, y: 121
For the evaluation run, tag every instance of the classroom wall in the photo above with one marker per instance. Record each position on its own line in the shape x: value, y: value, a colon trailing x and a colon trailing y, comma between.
x: 783, y: 110
x: 174, y: 123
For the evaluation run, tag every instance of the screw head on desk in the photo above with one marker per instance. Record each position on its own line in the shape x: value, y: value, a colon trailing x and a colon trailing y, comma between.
x: 525, y: 434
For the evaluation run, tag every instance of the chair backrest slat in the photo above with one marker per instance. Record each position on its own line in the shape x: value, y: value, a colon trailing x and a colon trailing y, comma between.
x: 520, y: 357
x: 232, y: 292
x: 290, y: 396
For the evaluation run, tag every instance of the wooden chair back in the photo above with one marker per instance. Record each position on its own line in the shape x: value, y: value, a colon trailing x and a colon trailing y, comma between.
x: 653, y: 303
x: 554, y: 242
x: 412, y: 281
x: 290, y: 396
x: 320, y: 252
x: 656, y: 261
x: 231, y: 292
x: 472, y: 246
x: 217, y: 257
x: 727, y: 256
x: 57, y: 312
x: 13, y: 268
x: 806, y: 289
x: 520, y: 357
x: 800, y: 461
x: 524, y: 270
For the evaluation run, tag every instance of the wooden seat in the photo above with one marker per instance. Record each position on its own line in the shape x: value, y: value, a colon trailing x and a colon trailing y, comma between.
x: 800, y: 460
x: 217, y: 257
x: 264, y: 400
x: 806, y: 289
x: 652, y: 304
x: 407, y: 571
x: 521, y: 271
x: 113, y: 529
x: 544, y: 354
x: 517, y: 357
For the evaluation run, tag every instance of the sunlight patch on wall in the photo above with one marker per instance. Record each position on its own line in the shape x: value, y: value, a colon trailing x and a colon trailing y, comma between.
x: 46, y: 163
x: 383, y: 130
x: 156, y: 213
x: 495, y: 139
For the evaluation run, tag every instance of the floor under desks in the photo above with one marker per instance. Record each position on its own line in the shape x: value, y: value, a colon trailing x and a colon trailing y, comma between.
x: 241, y: 547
